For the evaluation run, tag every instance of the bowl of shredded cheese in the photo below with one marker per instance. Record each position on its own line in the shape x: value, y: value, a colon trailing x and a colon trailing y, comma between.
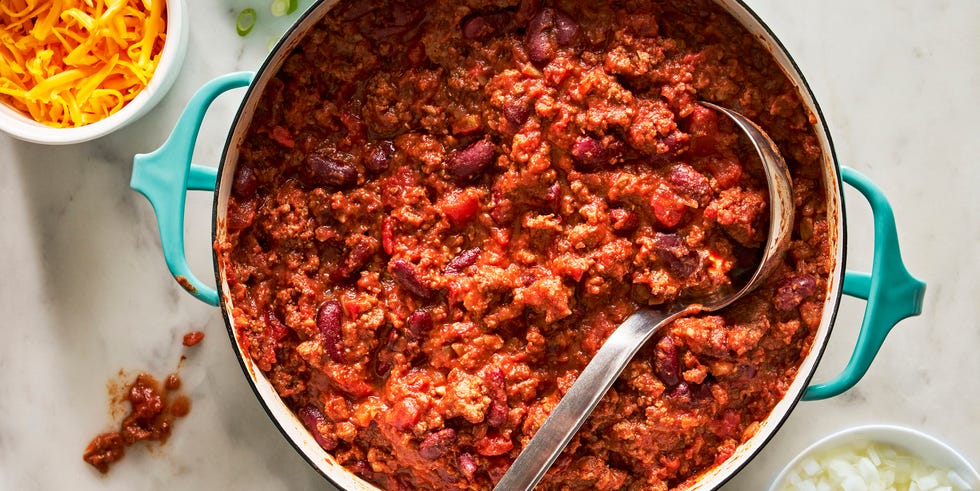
x: 75, y: 70
x: 878, y: 458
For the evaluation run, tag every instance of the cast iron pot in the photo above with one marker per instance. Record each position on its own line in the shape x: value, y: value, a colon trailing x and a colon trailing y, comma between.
x: 892, y: 294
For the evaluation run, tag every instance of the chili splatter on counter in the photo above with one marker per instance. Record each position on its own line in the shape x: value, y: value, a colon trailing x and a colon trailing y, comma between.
x: 440, y: 213
x: 192, y: 338
x: 153, y: 409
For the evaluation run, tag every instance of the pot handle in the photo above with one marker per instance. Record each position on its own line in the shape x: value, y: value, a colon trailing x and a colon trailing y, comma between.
x: 891, y: 291
x: 165, y: 175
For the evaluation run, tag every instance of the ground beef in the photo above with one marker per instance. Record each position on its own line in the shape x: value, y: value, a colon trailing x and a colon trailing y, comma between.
x: 442, y: 209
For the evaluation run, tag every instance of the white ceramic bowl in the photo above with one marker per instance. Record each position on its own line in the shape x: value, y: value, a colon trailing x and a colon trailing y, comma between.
x: 931, y: 450
x: 172, y: 57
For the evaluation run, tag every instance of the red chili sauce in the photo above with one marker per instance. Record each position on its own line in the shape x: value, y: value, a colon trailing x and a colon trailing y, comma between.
x: 151, y: 417
x: 442, y: 209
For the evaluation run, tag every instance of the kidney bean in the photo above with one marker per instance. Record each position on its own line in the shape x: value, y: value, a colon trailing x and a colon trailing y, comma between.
x: 666, y: 362
x: 688, y: 395
x: 382, y: 367
x: 502, y: 209
x: 391, y: 340
x: 472, y: 160
x: 408, y: 278
x: 541, y: 48
x: 792, y: 291
x: 676, y: 142
x: 671, y: 243
x: 467, y: 465
x: 498, y: 410
x: 435, y: 444
x: 419, y: 323
x: 276, y: 329
x: 331, y: 171
x: 477, y: 27
x: 565, y: 28
x: 359, y: 255
x: 589, y: 152
x: 328, y: 320
x: 690, y: 183
x: 548, y: 30
x: 746, y: 372
x: 517, y: 111
x: 245, y: 182
x: 553, y: 194
x: 462, y: 261
x: 481, y: 27
x: 379, y: 157
x: 680, y: 260
x: 624, y: 220
x: 680, y: 391
x: 312, y: 418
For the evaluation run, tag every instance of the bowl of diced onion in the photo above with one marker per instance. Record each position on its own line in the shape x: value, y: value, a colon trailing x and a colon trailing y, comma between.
x: 878, y: 458
x: 73, y: 72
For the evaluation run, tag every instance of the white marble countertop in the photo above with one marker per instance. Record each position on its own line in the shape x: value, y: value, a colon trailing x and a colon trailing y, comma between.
x: 84, y: 290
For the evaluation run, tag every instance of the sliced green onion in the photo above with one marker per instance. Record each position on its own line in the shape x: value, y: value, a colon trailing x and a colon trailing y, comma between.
x: 246, y: 21
x: 283, y: 7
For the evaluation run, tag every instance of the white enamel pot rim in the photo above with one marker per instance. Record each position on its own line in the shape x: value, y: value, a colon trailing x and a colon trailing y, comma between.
x: 301, y: 439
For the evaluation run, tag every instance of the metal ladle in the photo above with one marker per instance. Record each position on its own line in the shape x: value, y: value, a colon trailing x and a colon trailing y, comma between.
x: 609, y: 362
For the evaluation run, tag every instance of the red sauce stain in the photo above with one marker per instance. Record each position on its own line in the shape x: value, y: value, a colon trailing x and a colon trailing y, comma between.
x: 151, y: 417
x: 184, y: 282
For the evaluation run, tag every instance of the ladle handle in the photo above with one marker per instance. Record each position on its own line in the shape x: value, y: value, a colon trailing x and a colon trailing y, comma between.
x: 165, y: 175
x: 582, y: 397
x: 891, y: 291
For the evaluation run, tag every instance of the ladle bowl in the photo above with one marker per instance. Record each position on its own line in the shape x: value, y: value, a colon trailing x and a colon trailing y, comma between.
x: 608, y: 363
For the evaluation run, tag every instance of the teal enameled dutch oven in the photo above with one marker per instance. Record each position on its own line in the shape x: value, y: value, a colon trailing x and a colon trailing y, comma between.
x: 165, y: 175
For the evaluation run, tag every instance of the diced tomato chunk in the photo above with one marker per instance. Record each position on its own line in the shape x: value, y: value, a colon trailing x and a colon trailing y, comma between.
x: 282, y: 136
x: 493, y: 445
x: 461, y: 206
x: 667, y: 207
x: 702, y: 124
x: 726, y: 171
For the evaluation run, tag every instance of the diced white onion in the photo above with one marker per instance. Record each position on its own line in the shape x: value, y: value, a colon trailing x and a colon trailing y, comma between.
x: 869, y: 466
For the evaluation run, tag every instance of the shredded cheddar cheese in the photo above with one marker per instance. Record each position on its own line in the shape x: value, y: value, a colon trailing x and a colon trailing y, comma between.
x: 68, y: 63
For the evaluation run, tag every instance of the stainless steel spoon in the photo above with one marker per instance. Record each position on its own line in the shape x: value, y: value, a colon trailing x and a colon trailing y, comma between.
x: 595, y: 380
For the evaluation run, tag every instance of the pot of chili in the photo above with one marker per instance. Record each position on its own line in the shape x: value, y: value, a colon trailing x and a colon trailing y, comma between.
x: 429, y: 215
